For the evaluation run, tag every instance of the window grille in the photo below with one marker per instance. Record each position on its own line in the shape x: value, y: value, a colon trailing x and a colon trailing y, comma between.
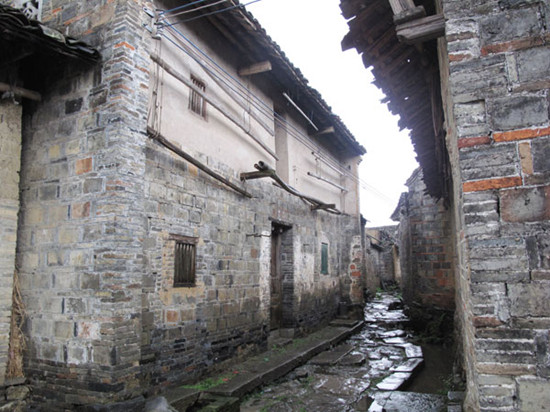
x: 185, y: 262
x: 196, y: 101
x: 324, y: 258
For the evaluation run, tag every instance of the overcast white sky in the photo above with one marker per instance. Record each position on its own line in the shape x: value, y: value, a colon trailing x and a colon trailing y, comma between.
x: 310, y: 32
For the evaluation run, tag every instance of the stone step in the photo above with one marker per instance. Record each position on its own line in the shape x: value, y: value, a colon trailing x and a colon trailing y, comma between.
x: 331, y: 357
x: 181, y: 398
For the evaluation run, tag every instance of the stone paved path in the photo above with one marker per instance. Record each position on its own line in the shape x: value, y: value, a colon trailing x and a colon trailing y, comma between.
x: 348, y: 366
x: 365, y: 373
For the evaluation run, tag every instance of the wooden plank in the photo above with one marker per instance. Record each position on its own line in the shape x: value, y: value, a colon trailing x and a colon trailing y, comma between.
x: 19, y: 91
x: 256, y: 68
x: 399, y: 6
x: 212, y: 101
x: 169, y: 145
x: 421, y: 30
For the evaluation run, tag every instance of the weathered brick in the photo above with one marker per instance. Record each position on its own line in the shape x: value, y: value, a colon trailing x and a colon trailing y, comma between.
x: 526, y: 158
x: 529, y: 299
x: 540, y: 150
x: 521, y: 134
x: 533, y: 393
x: 512, y: 25
x: 489, y: 184
x: 83, y: 166
x: 525, y: 205
x: 489, y: 161
x: 518, y: 112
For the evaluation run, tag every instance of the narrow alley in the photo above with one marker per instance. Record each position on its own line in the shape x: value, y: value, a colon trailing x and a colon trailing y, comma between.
x: 377, y: 367
x: 368, y: 371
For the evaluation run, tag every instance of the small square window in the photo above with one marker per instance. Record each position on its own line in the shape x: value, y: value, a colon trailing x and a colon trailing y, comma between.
x: 197, y: 103
x: 324, y: 258
x: 185, y: 262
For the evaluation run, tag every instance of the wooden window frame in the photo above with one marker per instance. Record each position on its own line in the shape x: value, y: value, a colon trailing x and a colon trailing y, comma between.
x: 197, y: 103
x: 185, y: 261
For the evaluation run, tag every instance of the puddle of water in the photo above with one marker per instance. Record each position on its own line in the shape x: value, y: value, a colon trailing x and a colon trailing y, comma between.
x: 438, y: 367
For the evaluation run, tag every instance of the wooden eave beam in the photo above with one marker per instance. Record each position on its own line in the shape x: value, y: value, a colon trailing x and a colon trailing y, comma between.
x: 421, y: 30
x: 21, y: 92
x: 256, y: 68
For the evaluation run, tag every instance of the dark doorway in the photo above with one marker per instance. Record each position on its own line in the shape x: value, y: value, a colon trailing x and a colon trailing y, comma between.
x: 281, y: 274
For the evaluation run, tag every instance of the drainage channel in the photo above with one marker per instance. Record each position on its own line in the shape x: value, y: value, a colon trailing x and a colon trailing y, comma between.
x: 370, y: 371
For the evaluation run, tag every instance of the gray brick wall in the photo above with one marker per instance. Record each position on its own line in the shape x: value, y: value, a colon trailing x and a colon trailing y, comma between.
x: 498, y: 117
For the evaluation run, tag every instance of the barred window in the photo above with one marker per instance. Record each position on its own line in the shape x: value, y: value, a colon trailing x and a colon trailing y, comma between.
x: 324, y: 258
x: 185, y: 262
x: 197, y: 103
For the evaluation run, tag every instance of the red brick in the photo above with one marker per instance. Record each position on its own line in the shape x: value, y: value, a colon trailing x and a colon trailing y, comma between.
x: 512, y: 45
x: 473, y: 141
x: 83, y: 166
x: 458, y: 57
x: 485, y: 321
x: 521, y: 134
x: 171, y: 316
x: 124, y: 44
x: 489, y: 184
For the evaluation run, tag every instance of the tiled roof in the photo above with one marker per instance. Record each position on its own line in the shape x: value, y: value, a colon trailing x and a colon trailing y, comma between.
x: 21, y: 37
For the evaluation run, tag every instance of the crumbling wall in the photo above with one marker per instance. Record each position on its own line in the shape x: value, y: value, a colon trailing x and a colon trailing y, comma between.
x: 499, y: 143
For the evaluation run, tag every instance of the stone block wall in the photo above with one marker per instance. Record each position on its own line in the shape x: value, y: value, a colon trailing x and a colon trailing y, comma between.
x: 10, y: 164
x: 189, y: 330
x: 380, y: 257
x: 80, y: 239
x: 499, y: 140
x: 427, y: 249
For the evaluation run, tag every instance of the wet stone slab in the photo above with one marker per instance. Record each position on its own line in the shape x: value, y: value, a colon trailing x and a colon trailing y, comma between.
x: 394, y: 382
x: 332, y: 357
x: 413, y: 351
x: 409, y: 366
x: 412, y: 402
